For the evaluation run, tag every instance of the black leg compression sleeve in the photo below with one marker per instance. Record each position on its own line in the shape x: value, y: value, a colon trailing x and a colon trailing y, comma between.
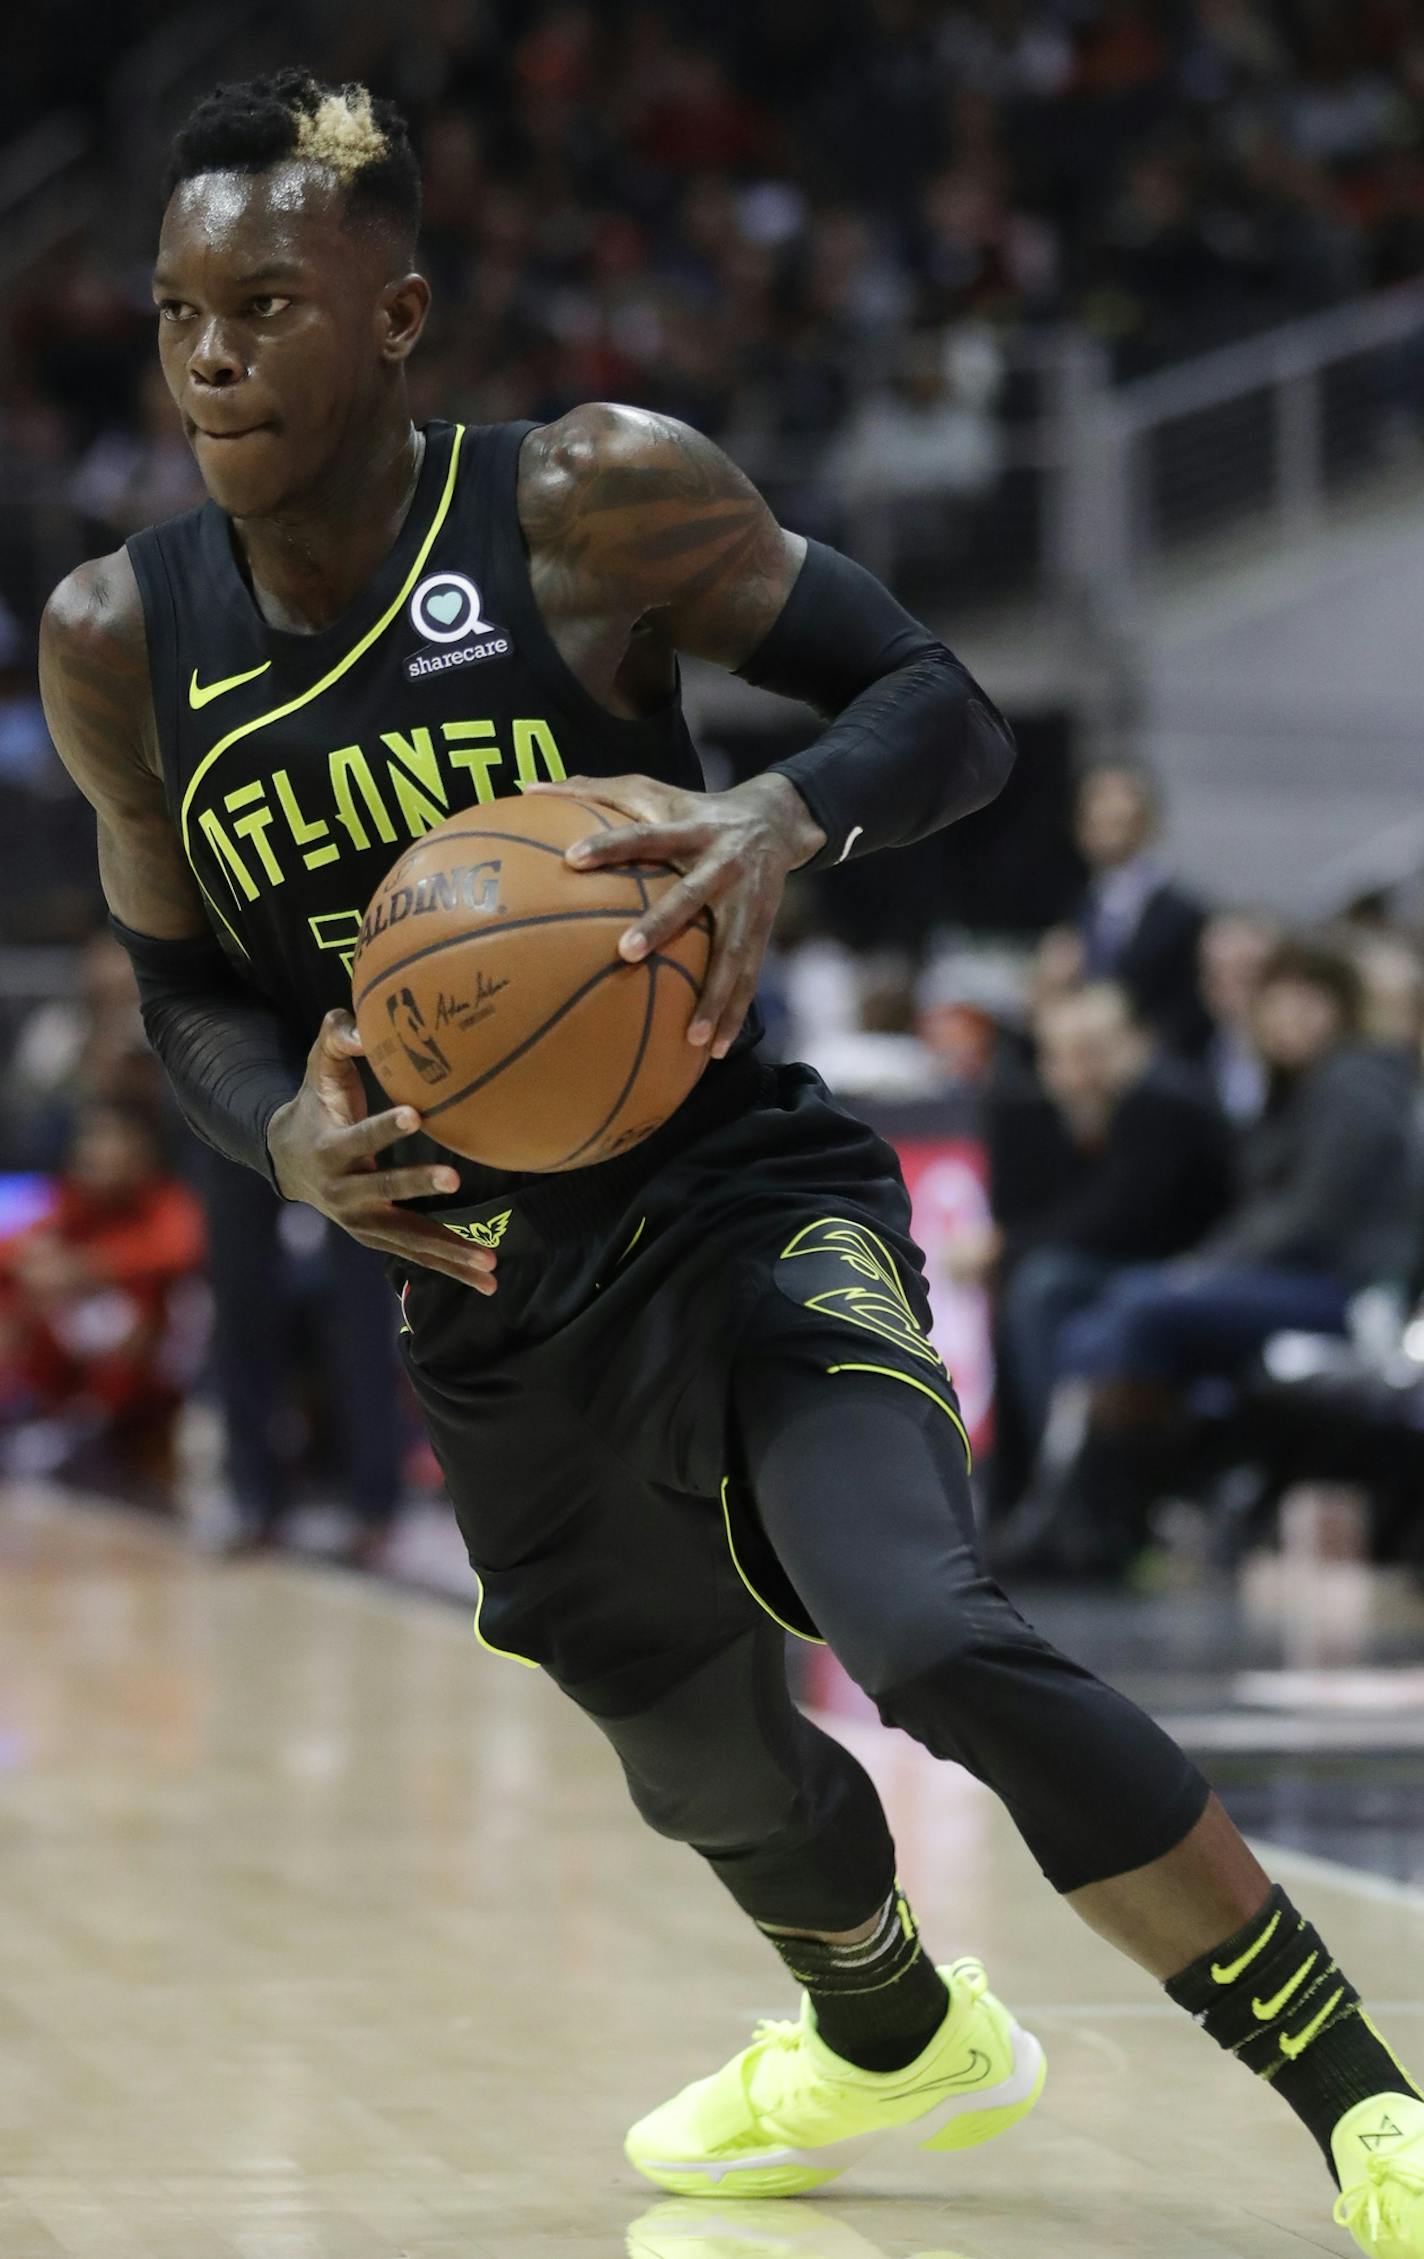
x: 861, y: 1486
x: 782, y: 1814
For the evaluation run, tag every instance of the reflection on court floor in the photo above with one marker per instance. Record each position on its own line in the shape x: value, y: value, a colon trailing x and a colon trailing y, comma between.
x: 327, y: 1937
x: 688, y: 2230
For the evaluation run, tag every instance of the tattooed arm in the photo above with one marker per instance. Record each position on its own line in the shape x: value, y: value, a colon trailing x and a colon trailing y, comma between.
x: 642, y: 535
x: 631, y: 517
x: 240, y: 1079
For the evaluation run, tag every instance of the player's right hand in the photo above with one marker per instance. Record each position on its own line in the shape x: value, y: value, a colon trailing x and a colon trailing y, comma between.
x: 324, y: 1144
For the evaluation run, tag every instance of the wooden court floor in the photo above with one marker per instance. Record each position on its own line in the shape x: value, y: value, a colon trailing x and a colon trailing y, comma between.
x: 325, y: 1936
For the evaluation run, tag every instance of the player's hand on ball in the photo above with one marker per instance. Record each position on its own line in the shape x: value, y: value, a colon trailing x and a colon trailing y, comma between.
x: 324, y: 1145
x: 734, y: 849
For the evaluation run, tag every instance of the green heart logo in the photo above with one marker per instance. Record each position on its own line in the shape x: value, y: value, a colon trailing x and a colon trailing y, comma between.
x: 445, y: 607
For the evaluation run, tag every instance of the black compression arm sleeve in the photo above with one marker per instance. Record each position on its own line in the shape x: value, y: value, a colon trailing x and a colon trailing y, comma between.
x: 915, y: 742
x: 231, y: 1060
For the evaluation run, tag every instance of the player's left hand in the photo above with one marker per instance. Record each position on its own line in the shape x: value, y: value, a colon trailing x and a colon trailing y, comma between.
x: 734, y: 850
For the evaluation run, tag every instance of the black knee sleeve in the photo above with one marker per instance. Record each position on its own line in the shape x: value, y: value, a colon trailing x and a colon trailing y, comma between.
x: 1094, y: 1787
x: 861, y: 1487
x: 784, y: 1816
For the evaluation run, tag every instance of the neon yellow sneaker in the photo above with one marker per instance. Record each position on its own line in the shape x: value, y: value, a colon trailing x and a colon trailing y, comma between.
x: 787, y: 2115
x: 1379, y: 2155
x: 691, y: 2228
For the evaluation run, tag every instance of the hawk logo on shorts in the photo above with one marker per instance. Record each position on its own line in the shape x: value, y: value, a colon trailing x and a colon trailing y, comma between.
x: 872, y: 1296
x: 486, y: 1234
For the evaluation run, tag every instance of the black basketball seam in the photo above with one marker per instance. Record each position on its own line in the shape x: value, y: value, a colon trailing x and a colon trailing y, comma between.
x: 622, y: 1099
x: 474, y: 831
x: 442, y: 1105
x: 487, y: 933
x: 681, y: 970
x: 506, y: 838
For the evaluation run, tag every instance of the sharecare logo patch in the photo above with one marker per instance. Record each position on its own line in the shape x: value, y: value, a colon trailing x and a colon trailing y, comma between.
x: 446, y: 611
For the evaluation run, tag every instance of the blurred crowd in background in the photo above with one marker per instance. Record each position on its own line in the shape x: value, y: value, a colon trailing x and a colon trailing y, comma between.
x: 723, y: 209
x: 808, y: 226
x: 814, y: 228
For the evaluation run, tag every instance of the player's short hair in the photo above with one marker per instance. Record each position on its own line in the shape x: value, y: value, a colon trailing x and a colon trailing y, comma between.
x: 252, y: 124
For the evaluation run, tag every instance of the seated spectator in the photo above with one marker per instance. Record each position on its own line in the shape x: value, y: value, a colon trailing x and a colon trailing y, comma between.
x: 83, y: 1045
x: 1107, y: 1156
x: 1136, y: 925
x: 1391, y: 973
x: 88, y: 1308
x: 1235, y: 948
x: 1326, y: 1209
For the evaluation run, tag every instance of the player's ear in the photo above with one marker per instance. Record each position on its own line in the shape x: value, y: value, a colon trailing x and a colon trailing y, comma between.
x: 405, y: 304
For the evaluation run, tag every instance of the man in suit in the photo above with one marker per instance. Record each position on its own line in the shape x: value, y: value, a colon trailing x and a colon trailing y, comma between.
x: 1105, y: 1158
x: 1136, y: 926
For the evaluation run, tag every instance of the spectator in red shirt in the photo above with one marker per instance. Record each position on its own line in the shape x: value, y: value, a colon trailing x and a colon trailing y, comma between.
x: 87, y: 1299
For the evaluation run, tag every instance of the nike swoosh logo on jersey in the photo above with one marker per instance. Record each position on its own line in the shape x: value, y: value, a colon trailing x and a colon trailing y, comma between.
x: 199, y: 694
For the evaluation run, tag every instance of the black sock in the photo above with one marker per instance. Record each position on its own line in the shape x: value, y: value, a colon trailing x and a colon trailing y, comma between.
x: 1313, y: 2043
x: 878, y: 2004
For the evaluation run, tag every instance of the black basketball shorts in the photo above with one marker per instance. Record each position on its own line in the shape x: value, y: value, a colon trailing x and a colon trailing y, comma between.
x: 581, y: 1414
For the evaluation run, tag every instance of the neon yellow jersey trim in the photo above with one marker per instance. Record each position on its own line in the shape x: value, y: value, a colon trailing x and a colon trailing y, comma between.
x: 808, y: 1637
x: 933, y: 1395
x: 505, y: 1654
x: 333, y: 674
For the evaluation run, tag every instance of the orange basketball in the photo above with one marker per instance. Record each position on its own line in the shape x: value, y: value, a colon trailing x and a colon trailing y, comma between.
x: 490, y: 995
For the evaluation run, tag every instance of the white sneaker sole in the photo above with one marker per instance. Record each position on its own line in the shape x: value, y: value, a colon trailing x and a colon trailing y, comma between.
x: 962, y: 2122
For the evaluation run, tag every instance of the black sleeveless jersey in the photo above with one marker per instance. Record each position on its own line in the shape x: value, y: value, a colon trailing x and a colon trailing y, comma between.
x: 298, y: 767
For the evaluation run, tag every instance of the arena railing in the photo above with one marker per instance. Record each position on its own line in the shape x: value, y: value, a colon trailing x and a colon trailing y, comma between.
x: 1059, y: 488
x: 1271, y: 433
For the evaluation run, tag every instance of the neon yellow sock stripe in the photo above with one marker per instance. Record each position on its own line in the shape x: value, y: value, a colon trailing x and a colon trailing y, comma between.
x: 333, y: 674
x: 1293, y: 2045
x: 1266, y: 2011
x: 910, y: 1381
x: 1235, y: 1969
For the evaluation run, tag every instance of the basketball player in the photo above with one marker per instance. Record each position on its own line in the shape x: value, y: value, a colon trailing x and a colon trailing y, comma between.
x: 683, y: 1398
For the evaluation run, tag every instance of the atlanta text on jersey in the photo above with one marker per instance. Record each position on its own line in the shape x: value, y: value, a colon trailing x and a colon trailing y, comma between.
x: 344, y: 801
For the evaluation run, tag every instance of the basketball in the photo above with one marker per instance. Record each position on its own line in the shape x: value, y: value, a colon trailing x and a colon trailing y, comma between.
x: 490, y: 994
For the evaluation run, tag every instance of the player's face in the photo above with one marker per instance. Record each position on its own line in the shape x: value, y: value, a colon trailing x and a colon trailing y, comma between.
x: 280, y: 327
